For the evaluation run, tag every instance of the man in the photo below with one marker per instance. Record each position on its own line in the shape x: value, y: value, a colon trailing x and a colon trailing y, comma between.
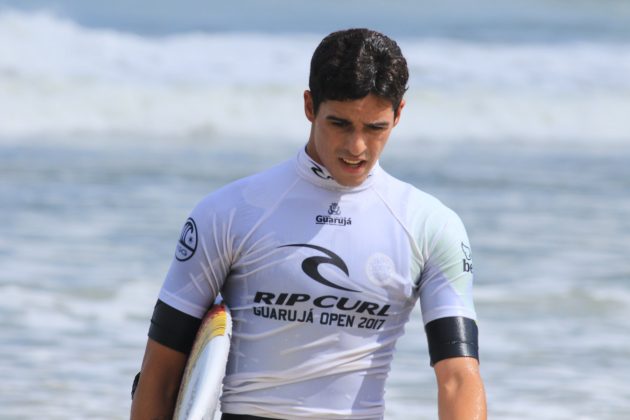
x: 321, y: 260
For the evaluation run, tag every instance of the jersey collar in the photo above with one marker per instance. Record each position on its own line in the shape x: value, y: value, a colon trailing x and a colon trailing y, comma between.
x: 317, y: 174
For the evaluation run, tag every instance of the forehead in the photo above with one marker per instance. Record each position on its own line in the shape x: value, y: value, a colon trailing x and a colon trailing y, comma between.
x: 368, y: 108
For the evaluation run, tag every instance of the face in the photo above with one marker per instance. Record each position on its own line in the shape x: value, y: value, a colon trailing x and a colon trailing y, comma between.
x: 347, y: 137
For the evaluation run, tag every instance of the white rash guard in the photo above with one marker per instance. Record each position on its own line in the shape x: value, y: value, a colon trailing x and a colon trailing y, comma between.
x: 321, y: 280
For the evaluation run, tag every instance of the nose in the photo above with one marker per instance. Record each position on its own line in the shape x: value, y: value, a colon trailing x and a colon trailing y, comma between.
x: 355, y: 144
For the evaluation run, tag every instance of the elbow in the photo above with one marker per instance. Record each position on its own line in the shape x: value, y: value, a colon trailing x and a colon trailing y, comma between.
x: 466, y: 376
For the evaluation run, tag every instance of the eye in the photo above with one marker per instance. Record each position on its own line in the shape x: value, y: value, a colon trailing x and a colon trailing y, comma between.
x: 340, y: 123
x: 376, y: 127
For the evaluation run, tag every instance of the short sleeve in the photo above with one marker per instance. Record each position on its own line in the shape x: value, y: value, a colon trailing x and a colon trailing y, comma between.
x: 447, y: 277
x: 201, y: 262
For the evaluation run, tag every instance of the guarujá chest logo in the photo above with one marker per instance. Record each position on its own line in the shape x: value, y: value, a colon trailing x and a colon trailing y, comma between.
x: 333, y: 217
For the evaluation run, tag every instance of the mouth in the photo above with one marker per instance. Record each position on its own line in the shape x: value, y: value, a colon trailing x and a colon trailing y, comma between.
x: 353, y: 163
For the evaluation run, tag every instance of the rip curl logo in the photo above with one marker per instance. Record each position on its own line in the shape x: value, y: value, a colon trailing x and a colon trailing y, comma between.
x: 319, y: 171
x: 326, y: 309
x: 467, y: 261
x: 187, y: 241
x: 310, y: 265
x: 333, y: 217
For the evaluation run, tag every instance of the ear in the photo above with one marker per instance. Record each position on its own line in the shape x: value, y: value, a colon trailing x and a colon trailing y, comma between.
x: 308, y: 106
x: 398, y: 111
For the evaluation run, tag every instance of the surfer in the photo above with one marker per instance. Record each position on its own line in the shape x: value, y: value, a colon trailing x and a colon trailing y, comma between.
x: 321, y: 259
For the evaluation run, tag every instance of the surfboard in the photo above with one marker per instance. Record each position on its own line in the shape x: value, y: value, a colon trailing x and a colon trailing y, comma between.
x: 200, y: 388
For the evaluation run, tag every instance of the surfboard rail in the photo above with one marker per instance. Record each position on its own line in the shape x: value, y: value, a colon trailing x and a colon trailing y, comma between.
x: 202, y: 381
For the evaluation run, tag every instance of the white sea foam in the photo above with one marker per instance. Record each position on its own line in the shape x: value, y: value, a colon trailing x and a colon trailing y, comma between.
x: 59, y: 80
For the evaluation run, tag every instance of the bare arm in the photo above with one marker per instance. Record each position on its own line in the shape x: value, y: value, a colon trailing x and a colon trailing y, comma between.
x: 156, y: 394
x: 461, y: 394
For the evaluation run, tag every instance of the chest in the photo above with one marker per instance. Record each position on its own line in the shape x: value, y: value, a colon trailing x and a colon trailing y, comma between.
x: 346, y: 253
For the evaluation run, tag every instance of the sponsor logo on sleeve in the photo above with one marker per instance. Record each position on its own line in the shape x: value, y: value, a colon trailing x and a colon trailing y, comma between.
x: 187, y: 241
x: 467, y: 261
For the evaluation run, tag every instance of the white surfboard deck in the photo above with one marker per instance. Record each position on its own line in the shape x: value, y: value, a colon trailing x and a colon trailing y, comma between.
x: 203, y: 377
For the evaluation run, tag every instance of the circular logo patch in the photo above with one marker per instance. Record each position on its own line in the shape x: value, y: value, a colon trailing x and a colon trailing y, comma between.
x: 187, y: 241
x: 380, y: 269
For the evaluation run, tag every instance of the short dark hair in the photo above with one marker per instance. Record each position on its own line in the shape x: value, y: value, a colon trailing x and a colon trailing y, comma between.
x: 353, y: 63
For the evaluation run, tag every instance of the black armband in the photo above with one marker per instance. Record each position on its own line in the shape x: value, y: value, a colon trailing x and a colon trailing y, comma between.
x: 452, y: 337
x: 173, y: 328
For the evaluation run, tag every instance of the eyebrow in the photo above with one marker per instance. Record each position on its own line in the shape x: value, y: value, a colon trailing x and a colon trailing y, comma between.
x: 377, y: 124
x: 337, y: 119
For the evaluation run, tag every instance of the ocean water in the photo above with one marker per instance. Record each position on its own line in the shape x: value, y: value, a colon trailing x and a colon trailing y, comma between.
x: 115, y: 120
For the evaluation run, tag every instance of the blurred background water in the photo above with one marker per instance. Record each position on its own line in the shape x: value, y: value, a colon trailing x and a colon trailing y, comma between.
x: 116, y: 117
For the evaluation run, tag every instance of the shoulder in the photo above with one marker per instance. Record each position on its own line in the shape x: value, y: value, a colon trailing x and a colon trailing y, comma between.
x: 427, y: 219
x: 251, y: 191
x: 411, y: 202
